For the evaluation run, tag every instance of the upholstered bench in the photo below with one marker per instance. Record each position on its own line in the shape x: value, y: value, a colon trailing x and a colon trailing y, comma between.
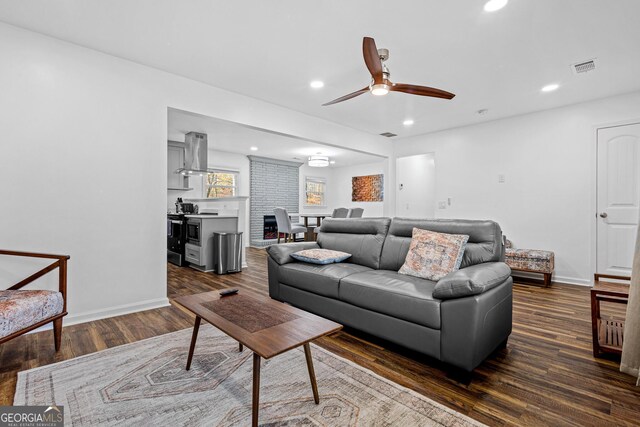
x: 531, y: 261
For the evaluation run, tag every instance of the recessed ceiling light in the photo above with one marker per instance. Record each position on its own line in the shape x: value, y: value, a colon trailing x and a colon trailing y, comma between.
x: 332, y: 162
x: 550, y: 88
x: 254, y: 148
x: 408, y: 122
x: 493, y: 5
x: 316, y: 84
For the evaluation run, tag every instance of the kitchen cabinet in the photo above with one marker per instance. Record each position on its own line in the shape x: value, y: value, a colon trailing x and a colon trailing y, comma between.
x: 175, y: 160
x: 199, y: 251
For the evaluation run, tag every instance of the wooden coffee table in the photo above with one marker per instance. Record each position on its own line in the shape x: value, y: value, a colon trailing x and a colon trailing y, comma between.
x: 265, y: 326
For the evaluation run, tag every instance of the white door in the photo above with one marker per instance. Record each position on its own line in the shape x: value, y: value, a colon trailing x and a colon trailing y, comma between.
x: 416, y: 179
x: 618, y: 198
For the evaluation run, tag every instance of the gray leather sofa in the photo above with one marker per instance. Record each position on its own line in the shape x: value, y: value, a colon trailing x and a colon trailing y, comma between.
x: 460, y: 320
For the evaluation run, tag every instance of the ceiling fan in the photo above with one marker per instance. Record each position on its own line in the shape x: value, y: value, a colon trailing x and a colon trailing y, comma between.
x: 380, y: 84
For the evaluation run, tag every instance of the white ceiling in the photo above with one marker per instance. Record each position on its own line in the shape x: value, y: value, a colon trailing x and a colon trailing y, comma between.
x: 234, y: 138
x: 272, y: 50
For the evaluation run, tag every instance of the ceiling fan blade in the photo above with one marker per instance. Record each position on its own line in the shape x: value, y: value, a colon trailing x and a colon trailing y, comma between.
x: 421, y: 90
x: 372, y: 59
x: 351, y: 95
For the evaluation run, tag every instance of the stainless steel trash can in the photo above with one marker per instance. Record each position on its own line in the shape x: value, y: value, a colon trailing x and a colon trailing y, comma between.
x: 227, y: 252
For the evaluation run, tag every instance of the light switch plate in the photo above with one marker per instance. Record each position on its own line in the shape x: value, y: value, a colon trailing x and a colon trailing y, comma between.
x: 501, y: 178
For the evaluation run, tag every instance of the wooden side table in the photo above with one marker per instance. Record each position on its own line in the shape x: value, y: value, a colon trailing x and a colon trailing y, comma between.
x: 608, y: 334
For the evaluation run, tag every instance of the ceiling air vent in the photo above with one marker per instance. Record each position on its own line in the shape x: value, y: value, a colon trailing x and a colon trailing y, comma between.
x: 388, y: 134
x: 584, y: 66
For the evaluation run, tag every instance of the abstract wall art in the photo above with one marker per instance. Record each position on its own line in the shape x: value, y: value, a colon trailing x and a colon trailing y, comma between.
x: 369, y: 188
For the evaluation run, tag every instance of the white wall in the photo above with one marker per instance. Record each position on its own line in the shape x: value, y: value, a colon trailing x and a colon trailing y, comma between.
x: 84, y: 156
x: 339, y: 192
x: 548, y: 159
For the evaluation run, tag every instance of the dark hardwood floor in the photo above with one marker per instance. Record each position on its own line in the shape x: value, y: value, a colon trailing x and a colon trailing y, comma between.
x: 547, y: 375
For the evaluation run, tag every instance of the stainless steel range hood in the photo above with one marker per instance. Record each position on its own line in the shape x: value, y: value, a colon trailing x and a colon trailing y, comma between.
x: 195, y: 154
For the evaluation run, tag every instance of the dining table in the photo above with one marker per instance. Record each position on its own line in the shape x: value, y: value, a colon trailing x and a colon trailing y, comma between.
x: 309, y: 236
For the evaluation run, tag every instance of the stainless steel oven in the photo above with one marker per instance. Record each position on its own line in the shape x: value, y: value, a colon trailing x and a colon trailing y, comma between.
x: 176, y: 238
x: 194, y: 231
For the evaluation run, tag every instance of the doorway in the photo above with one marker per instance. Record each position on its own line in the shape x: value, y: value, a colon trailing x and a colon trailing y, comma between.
x: 416, y: 184
x: 618, y: 198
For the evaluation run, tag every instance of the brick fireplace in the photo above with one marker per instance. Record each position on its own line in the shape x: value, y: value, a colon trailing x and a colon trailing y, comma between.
x: 274, y: 183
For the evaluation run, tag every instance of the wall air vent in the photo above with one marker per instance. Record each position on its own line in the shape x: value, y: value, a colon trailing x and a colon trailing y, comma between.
x: 584, y: 66
x: 388, y: 134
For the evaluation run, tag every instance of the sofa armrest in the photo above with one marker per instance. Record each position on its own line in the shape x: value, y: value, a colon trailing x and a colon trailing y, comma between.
x: 281, y: 253
x: 472, y: 280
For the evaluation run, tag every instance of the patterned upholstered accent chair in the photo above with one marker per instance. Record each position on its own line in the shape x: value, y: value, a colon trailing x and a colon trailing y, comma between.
x: 24, y: 310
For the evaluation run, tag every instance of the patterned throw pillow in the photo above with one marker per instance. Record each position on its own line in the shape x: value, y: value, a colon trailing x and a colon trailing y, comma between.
x: 320, y: 256
x: 433, y: 255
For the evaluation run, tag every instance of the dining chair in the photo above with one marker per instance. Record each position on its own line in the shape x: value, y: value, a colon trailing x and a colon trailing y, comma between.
x: 355, y: 213
x: 23, y: 310
x: 340, y: 213
x: 337, y: 213
x: 285, y: 226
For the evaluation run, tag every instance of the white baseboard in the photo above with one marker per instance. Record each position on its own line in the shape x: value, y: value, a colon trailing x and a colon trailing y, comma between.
x: 559, y: 279
x: 88, y: 316
x: 572, y: 280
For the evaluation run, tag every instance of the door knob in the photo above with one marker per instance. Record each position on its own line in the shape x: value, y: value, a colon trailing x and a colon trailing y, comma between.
x: 603, y: 215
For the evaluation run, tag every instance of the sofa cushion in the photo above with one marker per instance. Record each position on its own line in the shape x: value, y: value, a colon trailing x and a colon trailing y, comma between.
x: 20, y: 309
x: 361, y: 237
x: 484, y: 245
x: 472, y: 280
x: 320, y: 256
x: 433, y: 255
x: 319, y: 279
x: 388, y: 292
x: 281, y: 253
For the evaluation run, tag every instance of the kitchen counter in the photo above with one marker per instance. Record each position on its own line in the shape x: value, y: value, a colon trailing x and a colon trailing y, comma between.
x: 219, y: 199
x: 211, y: 216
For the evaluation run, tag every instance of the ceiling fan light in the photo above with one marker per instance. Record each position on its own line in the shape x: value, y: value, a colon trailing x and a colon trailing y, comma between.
x: 380, y: 89
x: 318, y: 161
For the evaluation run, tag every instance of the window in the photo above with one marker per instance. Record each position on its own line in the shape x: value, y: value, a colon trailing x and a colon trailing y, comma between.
x: 221, y: 183
x: 314, y: 189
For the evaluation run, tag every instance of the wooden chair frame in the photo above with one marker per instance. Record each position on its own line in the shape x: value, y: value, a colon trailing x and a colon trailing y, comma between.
x: 59, y: 263
x: 616, y: 292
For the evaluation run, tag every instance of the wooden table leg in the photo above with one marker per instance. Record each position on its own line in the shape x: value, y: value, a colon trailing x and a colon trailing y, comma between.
x: 312, y: 374
x: 194, y: 337
x: 255, y: 402
x: 240, y: 347
x: 595, y: 315
x: 308, y: 235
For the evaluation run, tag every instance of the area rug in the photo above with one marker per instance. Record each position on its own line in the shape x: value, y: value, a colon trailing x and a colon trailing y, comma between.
x: 145, y: 383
